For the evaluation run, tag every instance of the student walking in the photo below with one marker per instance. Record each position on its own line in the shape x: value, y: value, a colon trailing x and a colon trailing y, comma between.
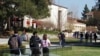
x: 34, y: 44
x: 91, y: 36
x: 14, y: 43
x: 45, y: 44
x: 86, y: 37
x: 81, y: 37
x: 95, y: 37
x: 61, y: 37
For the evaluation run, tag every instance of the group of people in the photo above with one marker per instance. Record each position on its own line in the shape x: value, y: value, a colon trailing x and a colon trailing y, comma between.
x: 88, y: 36
x: 35, y: 43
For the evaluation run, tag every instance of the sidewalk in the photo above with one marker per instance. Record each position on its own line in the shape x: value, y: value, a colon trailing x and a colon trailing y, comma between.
x: 3, y: 40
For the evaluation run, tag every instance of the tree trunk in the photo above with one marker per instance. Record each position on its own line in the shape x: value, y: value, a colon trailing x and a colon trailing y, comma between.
x: 8, y: 24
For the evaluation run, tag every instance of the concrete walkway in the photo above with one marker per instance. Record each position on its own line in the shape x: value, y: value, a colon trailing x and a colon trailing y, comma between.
x: 3, y: 40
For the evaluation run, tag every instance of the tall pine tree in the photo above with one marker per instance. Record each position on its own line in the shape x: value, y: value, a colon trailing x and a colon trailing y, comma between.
x: 86, y: 10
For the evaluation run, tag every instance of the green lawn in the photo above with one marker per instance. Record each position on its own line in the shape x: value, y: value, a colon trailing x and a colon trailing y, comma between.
x: 67, y: 39
x: 77, y: 51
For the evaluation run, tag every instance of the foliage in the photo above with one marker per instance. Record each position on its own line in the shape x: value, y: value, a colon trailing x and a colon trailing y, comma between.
x: 86, y: 10
x: 41, y: 31
x: 42, y: 8
x: 35, y: 8
x: 93, y: 9
x: 38, y: 9
x: 93, y: 22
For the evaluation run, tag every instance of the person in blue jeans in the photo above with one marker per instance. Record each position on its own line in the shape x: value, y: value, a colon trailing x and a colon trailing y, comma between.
x: 62, y: 39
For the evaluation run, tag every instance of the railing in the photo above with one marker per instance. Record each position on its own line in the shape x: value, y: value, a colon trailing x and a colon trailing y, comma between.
x: 53, y: 51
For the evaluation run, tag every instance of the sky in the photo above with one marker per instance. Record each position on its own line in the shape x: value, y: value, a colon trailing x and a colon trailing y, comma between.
x: 76, y: 6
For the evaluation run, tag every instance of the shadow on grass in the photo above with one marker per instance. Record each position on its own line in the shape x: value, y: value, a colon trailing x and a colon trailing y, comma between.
x: 80, y: 44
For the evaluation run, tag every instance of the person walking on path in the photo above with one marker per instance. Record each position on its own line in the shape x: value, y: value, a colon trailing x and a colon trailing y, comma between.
x: 95, y: 37
x: 86, y: 37
x: 14, y: 43
x: 81, y: 37
x: 34, y: 44
x: 45, y: 44
x: 61, y: 37
x: 90, y: 36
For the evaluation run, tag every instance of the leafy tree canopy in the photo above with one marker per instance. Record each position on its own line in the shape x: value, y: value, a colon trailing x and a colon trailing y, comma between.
x: 35, y: 8
x: 93, y: 22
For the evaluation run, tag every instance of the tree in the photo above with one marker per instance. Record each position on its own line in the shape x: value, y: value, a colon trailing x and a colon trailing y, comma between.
x: 43, y: 10
x: 99, y: 5
x: 35, y: 8
x: 93, y: 22
x: 86, y: 10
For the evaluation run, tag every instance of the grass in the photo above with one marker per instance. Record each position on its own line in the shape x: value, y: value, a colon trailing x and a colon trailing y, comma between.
x: 70, y: 39
x: 77, y: 51
x: 5, y: 51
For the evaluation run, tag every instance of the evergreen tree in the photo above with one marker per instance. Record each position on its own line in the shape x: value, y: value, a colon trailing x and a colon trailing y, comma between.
x: 98, y: 4
x: 86, y: 10
x: 93, y: 9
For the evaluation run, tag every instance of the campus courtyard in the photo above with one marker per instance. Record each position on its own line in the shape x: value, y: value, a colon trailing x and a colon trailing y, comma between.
x: 73, y: 47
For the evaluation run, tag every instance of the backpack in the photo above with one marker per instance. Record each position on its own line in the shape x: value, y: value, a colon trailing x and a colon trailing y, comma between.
x: 34, y: 41
x: 14, y: 42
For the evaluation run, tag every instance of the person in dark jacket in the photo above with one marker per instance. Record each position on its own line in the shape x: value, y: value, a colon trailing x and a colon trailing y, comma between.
x: 17, y: 50
x: 61, y: 37
x: 86, y: 37
x: 95, y: 37
x: 81, y: 37
x: 34, y: 44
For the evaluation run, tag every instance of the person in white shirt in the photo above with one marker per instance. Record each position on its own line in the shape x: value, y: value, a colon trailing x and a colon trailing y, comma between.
x: 45, y: 44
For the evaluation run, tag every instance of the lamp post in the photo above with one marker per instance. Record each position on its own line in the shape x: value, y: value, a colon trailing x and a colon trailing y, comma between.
x: 12, y: 6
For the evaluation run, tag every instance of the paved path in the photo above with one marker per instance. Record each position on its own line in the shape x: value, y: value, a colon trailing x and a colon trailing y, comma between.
x: 3, y: 40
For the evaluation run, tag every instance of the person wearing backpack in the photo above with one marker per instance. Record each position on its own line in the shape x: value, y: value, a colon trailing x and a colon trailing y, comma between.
x: 14, y: 43
x: 34, y: 44
x: 45, y: 43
